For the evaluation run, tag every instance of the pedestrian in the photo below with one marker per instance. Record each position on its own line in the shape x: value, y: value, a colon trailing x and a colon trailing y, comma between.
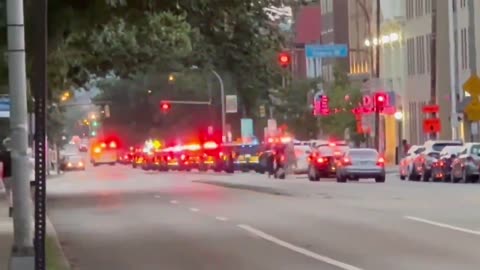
x: 270, y: 163
x: 405, y: 147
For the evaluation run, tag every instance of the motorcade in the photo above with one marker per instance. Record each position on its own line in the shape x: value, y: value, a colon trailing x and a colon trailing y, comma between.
x: 422, y: 164
x: 322, y: 161
x: 465, y: 167
x: 72, y: 163
x: 406, y: 163
x: 441, y: 169
x: 361, y: 163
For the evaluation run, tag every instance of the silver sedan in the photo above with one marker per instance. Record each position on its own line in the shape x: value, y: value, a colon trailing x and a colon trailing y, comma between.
x: 361, y: 163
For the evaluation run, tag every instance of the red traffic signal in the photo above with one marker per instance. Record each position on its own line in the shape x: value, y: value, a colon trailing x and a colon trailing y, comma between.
x: 380, y: 100
x: 284, y: 59
x: 165, y: 106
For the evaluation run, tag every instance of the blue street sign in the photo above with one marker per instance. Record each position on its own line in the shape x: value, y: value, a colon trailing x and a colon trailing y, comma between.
x: 326, y: 51
x: 4, y: 107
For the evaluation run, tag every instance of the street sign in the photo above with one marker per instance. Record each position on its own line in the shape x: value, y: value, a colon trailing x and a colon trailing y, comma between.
x: 472, y: 110
x: 472, y: 86
x: 431, y: 108
x: 326, y: 51
x: 432, y: 125
x: 231, y: 104
x: 246, y: 127
x: 4, y: 108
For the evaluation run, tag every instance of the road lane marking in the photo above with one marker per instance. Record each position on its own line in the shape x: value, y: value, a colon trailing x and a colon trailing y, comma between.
x: 221, y: 218
x: 194, y: 209
x: 174, y: 202
x: 298, y: 249
x: 443, y: 225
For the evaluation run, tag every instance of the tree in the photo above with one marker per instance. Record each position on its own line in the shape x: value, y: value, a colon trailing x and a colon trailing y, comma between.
x: 295, y: 109
x: 342, y: 99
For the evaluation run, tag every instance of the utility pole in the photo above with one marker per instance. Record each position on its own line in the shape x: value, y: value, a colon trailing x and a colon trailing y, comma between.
x: 471, y: 45
x: 455, y: 76
x: 22, y: 257
x: 39, y: 67
x: 377, y: 75
x: 433, y: 63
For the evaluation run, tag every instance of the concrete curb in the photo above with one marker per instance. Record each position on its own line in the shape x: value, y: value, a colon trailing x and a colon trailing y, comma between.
x: 53, y: 233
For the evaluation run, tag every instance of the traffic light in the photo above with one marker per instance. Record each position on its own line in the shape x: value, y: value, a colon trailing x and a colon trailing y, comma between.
x: 93, y: 133
x: 284, y: 59
x: 165, y: 106
x: 380, y: 101
x: 95, y: 123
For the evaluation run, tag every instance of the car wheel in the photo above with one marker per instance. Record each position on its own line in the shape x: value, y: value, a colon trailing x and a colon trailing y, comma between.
x: 426, y: 176
x: 380, y: 179
x: 95, y: 164
x: 402, y: 177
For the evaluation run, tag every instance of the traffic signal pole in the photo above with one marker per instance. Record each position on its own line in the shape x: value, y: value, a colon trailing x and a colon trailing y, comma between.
x: 472, y: 49
x: 377, y: 75
x: 22, y: 256
x: 433, y: 63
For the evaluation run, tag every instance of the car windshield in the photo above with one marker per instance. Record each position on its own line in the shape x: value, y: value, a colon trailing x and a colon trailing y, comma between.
x: 74, y: 158
x: 475, y: 149
x: 248, y: 149
x: 332, y: 150
x: 438, y: 147
x: 363, y: 154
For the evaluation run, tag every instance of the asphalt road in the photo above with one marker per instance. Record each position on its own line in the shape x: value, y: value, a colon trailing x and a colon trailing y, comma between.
x: 120, y: 218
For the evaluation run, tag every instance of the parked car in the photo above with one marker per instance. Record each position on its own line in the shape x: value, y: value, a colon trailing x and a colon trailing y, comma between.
x: 422, y: 164
x: 442, y: 168
x: 406, y: 164
x: 466, y: 166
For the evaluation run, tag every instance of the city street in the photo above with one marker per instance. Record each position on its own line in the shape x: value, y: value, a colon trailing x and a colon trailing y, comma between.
x: 121, y: 218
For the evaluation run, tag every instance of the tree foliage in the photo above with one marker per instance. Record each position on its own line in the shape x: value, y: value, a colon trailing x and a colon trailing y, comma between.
x: 295, y: 109
x: 342, y: 99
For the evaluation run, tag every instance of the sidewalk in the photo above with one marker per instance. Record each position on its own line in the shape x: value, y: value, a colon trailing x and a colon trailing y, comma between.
x: 391, y: 169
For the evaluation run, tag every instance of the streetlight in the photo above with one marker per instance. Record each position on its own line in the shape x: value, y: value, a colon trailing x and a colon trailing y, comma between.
x: 222, y: 94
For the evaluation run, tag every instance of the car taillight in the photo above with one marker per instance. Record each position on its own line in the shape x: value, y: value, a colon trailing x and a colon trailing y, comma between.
x: 381, y: 162
x: 183, y: 157
x: 80, y: 164
x: 103, y: 145
x: 113, y: 145
x: 69, y: 164
x: 346, y: 161
x: 97, y: 150
x: 320, y: 160
x: 220, y: 154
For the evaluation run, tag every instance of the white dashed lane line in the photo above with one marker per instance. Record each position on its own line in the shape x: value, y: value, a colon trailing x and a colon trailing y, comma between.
x: 194, y: 209
x: 443, y: 225
x: 174, y: 202
x: 222, y: 218
x: 300, y: 250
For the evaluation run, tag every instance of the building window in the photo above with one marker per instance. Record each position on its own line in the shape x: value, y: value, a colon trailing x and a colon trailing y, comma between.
x: 420, y: 48
x: 428, y: 6
x: 409, y: 9
x: 419, y: 8
x: 411, y: 56
x: 464, y: 48
x: 428, y: 48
